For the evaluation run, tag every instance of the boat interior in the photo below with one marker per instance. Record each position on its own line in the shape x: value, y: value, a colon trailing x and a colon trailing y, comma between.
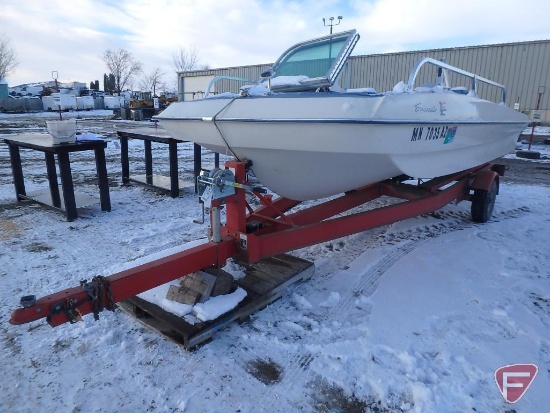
x: 316, y: 65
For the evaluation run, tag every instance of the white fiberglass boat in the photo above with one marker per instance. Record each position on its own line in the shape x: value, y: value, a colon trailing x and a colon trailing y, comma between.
x: 308, y: 139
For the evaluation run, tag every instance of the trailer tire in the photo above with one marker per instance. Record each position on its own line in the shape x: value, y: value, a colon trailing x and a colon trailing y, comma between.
x: 483, y: 202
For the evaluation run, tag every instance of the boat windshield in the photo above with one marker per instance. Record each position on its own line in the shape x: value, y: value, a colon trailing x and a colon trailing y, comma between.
x: 311, y: 60
x: 316, y: 62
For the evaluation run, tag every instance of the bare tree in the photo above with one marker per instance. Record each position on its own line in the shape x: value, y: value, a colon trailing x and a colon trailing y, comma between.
x: 152, y: 81
x: 8, y: 56
x: 185, y: 59
x: 122, y: 65
x: 144, y: 84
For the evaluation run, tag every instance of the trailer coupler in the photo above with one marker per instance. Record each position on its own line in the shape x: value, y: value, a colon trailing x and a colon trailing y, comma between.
x: 98, y: 292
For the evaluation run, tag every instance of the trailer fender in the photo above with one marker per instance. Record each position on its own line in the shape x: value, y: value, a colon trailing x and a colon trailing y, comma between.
x: 484, y: 180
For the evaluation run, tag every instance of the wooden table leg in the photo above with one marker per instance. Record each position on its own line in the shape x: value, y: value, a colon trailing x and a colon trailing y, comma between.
x: 17, y: 171
x: 197, y: 163
x: 174, y: 180
x: 102, y: 180
x: 124, y: 159
x: 67, y: 184
x: 148, y: 162
x: 52, y: 179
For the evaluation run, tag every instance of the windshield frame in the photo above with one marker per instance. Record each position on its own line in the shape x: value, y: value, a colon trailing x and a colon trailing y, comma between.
x: 349, y: 40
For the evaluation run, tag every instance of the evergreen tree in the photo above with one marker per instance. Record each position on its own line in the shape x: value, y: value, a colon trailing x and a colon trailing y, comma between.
x: 112, y: 83
x: 45, y: 92
x: 109, y: 84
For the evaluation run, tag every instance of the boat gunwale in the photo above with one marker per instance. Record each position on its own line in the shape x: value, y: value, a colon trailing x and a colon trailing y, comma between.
x: 357, y: 121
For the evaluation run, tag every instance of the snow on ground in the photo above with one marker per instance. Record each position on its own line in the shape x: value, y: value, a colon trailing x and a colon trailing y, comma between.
x: 543, y: 150
x: 411, y: 317
x: 100, y: 113
x: 537, y: 130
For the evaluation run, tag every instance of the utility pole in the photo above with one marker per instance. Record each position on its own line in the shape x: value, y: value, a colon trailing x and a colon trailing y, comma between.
x: 331, y: 22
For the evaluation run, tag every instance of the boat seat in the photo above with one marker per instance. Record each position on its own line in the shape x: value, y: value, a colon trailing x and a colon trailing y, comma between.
x: 461, y: 90
x: 430, y: 87
x: 366, y: 90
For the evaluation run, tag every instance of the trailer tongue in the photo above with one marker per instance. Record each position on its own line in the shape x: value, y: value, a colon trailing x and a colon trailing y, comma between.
x: 250, y: 235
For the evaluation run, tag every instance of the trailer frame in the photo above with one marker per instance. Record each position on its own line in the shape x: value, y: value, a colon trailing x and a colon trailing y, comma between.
x: 273, y: 228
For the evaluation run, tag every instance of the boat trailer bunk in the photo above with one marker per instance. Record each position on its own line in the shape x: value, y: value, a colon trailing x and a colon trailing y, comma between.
x: 251, y: 236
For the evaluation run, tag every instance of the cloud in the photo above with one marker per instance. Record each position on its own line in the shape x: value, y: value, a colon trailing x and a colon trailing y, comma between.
x: 71, y: 37
x: 397, y: 25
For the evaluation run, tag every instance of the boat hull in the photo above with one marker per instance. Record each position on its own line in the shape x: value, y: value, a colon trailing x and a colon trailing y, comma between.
x: 310, y: 145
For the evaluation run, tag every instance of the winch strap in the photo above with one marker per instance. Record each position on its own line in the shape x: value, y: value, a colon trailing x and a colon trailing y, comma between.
x: 220, y: 132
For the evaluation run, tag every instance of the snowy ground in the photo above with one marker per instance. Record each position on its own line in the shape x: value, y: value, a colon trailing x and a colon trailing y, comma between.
x: 542, y: 131
x: 411, y: 317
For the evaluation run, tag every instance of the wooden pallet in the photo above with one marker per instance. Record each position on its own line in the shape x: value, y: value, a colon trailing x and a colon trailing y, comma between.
x: 264, y: 283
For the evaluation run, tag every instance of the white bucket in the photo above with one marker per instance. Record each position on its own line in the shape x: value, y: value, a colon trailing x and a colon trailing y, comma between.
x: 62, y: 131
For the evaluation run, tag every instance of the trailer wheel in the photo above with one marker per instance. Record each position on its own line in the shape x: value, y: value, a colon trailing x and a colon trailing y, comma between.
x: 483, y: 202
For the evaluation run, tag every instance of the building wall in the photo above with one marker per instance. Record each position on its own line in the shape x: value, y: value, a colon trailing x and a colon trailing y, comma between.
x: 3, y: 89
x: 195, y: 87
x: 20, y: 105
x: 194, y: 84
x: 522, y: 67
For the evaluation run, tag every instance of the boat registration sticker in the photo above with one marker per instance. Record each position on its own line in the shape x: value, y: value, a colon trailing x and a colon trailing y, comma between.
x: 450, y: 135
x: 434, y: 133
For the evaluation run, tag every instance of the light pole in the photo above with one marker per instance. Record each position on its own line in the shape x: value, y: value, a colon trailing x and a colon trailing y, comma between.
x: 536, y: 115
x: 331, y: 22
x: 535, y: 119
x: 54, y: 76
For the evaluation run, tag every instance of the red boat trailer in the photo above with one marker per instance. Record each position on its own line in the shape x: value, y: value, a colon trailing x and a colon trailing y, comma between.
x: 250, y: 235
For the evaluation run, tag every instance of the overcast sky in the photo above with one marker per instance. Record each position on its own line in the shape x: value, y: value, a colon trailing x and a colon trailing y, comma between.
x: 70, y: 36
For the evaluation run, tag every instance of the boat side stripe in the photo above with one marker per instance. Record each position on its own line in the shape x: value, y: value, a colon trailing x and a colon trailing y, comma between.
x: 358, y: 121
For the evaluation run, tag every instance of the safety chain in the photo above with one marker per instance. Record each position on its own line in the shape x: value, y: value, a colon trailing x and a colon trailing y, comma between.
x: 73, y: 313
x: 70, y: 308
x: 97, y: 290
